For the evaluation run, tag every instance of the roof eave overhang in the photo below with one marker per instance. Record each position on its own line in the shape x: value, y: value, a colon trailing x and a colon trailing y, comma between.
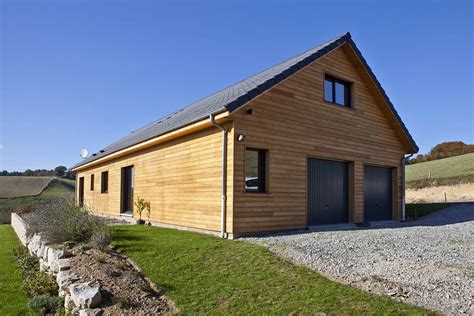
x: 190, y: 128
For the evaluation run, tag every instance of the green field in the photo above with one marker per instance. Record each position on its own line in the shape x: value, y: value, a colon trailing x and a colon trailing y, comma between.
x: 208, y: 275
x: 448, y: 171
x: 13, y: 300
x: 57, y: 188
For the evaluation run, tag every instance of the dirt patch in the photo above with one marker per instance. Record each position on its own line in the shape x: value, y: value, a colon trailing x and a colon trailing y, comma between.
x: 454, y: 193
x: 22, y: 186
x: 124, y: 290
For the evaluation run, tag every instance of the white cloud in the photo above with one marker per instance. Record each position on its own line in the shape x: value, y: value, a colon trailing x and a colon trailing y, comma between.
x: 2, y: 147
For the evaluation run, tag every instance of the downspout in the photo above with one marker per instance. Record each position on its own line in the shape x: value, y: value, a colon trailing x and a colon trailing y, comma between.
x: 224, y: 175
x: 404, y: 159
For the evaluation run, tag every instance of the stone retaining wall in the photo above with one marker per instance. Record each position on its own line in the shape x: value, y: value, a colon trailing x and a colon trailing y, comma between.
x: 19, y: 226
x: 53, y: 259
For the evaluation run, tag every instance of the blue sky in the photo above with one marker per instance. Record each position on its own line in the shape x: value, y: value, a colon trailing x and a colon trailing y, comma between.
x: 82, y: 74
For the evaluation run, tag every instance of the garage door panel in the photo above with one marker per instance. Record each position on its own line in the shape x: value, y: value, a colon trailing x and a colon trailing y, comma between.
x: 327, y: 192
x: 377, y: 193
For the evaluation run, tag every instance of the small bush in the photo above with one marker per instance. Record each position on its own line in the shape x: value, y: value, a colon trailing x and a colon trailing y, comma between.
x: 122, y: 302
x: 28, y: 264
x: 61, y: 221
x: 100, y: 259
x: 120, y: 265
x: 20, y: 250
x: 22, y: 209
x: 141, y: 206
x: 40, y: 283
x: 68, y: 244
x: 145, y: 288
x: 101, y: 240
x: 45, y: 304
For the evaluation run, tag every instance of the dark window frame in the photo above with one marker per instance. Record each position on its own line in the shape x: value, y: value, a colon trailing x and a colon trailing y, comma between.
x: 104, y: 182
x: 92, y: 182
x: 262, y: 169
x: 348, y: 100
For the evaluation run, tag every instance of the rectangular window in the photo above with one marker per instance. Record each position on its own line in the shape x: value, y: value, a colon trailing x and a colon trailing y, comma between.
x: 92, y: 182
x: 337, y: 91
x: 104, y: 185
x: 255, y: 170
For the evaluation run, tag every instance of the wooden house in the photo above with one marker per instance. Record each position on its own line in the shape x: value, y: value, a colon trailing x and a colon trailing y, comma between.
x: 313, y: 140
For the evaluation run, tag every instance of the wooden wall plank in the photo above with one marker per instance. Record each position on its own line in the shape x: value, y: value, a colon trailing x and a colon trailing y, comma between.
x: 181, y: 178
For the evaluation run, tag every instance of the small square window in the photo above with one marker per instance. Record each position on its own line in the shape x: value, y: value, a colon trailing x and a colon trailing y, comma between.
x: 255, y: 170
x: 92, y: 182
x: 337, y: 91
x: 104, y: 183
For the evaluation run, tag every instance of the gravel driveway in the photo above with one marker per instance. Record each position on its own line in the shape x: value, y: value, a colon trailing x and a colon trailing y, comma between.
x: 429, y: 262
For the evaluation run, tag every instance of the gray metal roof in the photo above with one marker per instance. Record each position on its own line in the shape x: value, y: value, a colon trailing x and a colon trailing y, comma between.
x: 233, y: 97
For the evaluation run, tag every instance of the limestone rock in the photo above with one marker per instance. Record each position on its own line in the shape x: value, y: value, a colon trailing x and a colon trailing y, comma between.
x: 68, y: 303
x: 90, y: 312
x: 65, y: 277
x: 45, y: 253
x: 60, y: 265
x: 85, y: 295
x: 34, y: 244
x: 43, y: 265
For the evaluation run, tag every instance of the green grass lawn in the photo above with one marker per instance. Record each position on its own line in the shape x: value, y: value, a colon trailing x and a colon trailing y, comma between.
x: 61, y: 188
x: 417, y: 210
x: 444, y: 171
x: 13, y: 300
x: 204, y: 274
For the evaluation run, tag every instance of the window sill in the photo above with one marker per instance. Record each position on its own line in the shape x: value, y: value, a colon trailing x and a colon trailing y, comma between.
x: 257, y: 193
x: 337, y: 105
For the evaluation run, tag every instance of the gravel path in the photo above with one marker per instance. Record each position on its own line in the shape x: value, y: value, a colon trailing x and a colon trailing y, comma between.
x: 429, y: 262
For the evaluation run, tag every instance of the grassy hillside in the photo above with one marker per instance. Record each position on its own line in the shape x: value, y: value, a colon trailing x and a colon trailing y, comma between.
x: 22, y: 186
x: 56, y: 188
x: 448, y: 171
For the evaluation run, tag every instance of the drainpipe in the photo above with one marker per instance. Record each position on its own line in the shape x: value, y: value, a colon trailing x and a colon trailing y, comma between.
x: 404, y: 159
x: 224, y: 175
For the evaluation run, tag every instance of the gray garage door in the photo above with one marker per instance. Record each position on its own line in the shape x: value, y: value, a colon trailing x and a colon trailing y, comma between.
x: 327, y: 192
x: 377, y: 193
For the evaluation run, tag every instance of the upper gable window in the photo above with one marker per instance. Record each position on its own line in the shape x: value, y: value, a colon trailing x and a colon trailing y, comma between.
x: 337, y: 91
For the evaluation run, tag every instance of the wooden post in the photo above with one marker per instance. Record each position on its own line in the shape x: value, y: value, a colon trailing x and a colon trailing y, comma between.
x: 445, y: 198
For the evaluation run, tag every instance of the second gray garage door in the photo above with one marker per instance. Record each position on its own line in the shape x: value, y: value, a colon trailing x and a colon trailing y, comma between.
x: 377, y: 193
x: 327, y: 192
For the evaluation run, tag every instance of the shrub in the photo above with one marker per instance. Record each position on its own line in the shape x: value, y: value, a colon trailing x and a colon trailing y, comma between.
x: 61, y: 221
x: 28, y: 264
x: 22, y: 209
x: 100, y: 259
x: 20, y: 250
x: 101, y: 240
x: 145, y: 288
x: 45, y: 304
x: 122, y: 302
x: 40, y: 283
x: 120, y: 265
x: 142, y: 205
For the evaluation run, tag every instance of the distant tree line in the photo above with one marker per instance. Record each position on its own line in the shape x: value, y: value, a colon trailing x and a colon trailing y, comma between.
x: 444, y: 150
x: 59, y: 171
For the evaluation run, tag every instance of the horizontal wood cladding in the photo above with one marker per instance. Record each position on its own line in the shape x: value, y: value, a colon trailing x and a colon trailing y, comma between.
x: 293, y: 122
x: 181, y: 178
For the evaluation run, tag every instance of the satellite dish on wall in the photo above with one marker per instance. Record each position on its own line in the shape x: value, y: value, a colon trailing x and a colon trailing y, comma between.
x: 83, y: 153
